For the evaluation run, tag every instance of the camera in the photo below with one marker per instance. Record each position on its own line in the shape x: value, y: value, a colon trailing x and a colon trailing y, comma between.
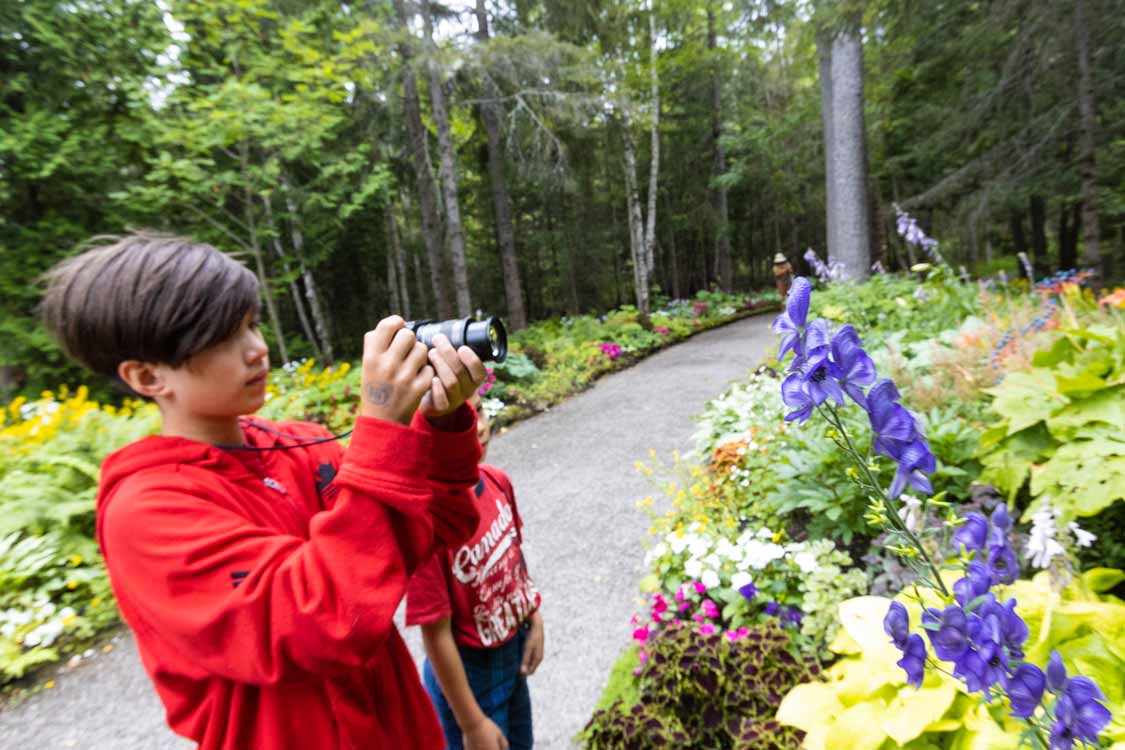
x: 487, y: 337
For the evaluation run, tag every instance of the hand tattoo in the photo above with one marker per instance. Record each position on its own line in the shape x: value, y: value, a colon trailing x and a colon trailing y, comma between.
x: 379, y: 394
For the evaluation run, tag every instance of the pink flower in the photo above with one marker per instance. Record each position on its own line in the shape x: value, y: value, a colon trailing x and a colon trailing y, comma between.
x: 710, y: 610
x: 684, y: 606
x: 642, y: 656
x: 611, y: 350
x: 659, y: 605
x: 734, y: 635
x: 640, y: 635
x: 662, y: 330
x: 680, y: 594
x: 707, y: 629
x: 700, y: 587
x: 697, y: 617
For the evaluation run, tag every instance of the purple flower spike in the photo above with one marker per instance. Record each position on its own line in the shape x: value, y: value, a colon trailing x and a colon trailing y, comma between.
x: 890, y: 421
x: 897, y: 625
x: 1025, y: 690
x: 1056, y: 673
x: 913, y: 660
x: 914, y: 459
x: 790, y: 325
x: 856, y: 368
x: 973, y: 533
x: 1001, y: 522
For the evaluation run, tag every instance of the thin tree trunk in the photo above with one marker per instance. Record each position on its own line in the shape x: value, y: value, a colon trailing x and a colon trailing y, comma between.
x: 1038, y: 208
x: 501, y: 200
x: 419, y: 274
x: 1091, y: 250
x: 423, y: 169
x: 396, y: 269
x: 1019, y: 237
x: 850, y: 155
x: 636, y: 221
x: 654, y: 169
x: 298, y: 301
x: 259, y: 261
x: 447, y: 172
x: 724, y: 265
x: 320, y: 319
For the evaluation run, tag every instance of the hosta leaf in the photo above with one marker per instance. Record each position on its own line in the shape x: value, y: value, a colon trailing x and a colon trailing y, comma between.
x: 1026, y: 398
x: 913, y: 711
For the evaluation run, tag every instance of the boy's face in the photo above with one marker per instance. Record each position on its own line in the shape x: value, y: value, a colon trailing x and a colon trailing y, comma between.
x: 226, y: 380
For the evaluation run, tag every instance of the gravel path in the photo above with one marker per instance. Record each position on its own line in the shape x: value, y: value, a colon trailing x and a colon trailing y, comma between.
x: 573, y: 473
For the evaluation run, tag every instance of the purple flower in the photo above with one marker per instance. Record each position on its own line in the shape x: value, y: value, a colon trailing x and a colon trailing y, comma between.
x: 913, y: 660
x: 1056, y: 674
x: 976, y: 583
x: 795, y: 393
x: 790, y: 325
x: 791, y: 615
x: 772, y: 608
x: 856, y: 368
x: 1001, y: 522
x: 897, y: 625
x: 892, y: 424
x: 948, y: 631
x: 1079, y: 714
x: 972, y: 534
x: 914, y: 459
x: 1002, y: 561
x: 749, y: 591
x: 1025, y: 690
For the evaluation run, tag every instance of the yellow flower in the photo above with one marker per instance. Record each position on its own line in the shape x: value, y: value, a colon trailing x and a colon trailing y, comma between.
x: 75, y: 559
x: 777, y: 537
x: 72, y: 585
x: 69, y: 619
x: 49, y: 684
x: 95, y: 602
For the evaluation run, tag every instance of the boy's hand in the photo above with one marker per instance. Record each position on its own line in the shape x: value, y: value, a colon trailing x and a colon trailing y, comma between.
x: 484, y: 735
x: 395, y: 375
x: 533, y: 649
x: 458, y: 374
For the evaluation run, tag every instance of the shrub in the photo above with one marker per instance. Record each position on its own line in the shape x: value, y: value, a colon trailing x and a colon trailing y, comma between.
x: 707, y: 691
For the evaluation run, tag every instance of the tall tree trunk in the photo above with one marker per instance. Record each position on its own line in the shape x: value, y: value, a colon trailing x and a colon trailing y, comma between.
x: 1068, y: 234
x: 320, y: 319
x: 294, y: 291
x: 425, y: 306
x: 1091, y: 250
x: 654, y: 169
x: 849, y: 154
x: 259, y: 261
x: 636, y: 221
x: 501, y: 200
x: 824, y: 55
x: 396, y: 267
x: 447, y: 171
x: 724, y: 264
x: 423, y: 169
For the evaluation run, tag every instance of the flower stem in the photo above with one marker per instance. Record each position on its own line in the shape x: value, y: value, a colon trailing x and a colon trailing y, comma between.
x: 830, y: 413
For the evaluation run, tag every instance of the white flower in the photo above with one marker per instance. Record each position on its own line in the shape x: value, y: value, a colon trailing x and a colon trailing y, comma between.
x: 740, y: 579
x: 806, y: 561
x: 655, y: 553
x: 678, y: 543
x: 693, y: 568
x: 1081, y: 536
x: 710, y: 579
x: 1042, y: 547
x: 911, y: 517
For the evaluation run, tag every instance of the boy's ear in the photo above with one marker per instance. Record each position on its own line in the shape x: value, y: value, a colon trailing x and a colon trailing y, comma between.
x: 144, y: 378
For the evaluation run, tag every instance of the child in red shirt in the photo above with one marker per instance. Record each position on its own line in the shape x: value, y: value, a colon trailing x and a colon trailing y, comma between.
x: 481, y: 626
x: 260, y: 564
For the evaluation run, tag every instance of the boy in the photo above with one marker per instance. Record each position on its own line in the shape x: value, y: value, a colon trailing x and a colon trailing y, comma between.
x: 260, y: 564
x: 481, y: 626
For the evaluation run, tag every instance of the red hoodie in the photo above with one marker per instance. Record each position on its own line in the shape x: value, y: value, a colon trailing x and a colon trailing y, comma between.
x: 261, y: 585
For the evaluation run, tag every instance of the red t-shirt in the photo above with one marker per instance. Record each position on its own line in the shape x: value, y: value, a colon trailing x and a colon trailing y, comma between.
x: 483, y: 584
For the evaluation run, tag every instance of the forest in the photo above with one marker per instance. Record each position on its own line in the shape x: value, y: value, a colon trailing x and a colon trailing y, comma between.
x: 535, y: 159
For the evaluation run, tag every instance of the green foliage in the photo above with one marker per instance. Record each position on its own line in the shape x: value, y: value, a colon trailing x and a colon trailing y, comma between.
x: 865, y: 701
x: 1060, y: 424
x: 707, y: 691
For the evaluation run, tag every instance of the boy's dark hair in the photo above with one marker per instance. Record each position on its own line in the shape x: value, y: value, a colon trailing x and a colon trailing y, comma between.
x: 146, y: 296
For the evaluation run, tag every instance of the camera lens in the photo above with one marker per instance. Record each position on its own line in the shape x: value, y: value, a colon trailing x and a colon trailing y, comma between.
x: 487, y: 338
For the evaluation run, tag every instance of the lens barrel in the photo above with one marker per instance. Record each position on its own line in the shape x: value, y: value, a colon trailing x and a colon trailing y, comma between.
x: 487, y: 337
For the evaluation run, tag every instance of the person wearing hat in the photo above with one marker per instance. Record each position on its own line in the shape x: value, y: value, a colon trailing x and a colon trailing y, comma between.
x: 782, y: 274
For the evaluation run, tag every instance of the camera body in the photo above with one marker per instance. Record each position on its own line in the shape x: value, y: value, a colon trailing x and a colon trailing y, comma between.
x: 488, y: 337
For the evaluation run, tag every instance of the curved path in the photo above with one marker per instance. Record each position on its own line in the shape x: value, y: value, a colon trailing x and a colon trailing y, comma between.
x: 573, y: 473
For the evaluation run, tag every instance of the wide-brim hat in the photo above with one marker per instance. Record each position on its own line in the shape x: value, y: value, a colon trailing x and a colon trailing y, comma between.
x: 779, y: 258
